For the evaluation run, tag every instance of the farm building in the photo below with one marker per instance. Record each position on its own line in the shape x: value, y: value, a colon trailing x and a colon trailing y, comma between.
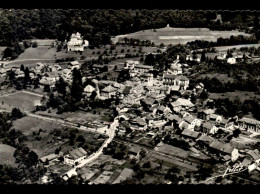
x: 75, y: 156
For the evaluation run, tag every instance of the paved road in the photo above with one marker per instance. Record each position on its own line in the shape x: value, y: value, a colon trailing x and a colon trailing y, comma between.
x: 111, y: 133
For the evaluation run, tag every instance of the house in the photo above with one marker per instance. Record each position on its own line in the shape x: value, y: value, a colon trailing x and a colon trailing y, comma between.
x: 221, y: 147
x: 216, y: 118
x: 48, y: 158
x: 173, y: 120
x: 130, y: 64
x: 204, y: 140
x: 209, y: 128
x: 76, y: 43
x: 138, y: 124
x: 74, y: 64
x: 231, y: 60
x: 190, y: 134
x: 108, y: 92
x: 134, y: 152
x: 88, y: 90
x: 205, y: 114
x: 175, y: 80
x: 75, y: 156
x: 191, y: 121
x: 98, y: 68
x: 149, y: 102
x: 19, y: 73
x: 143, y: 68
x: 181, y: 104
x: 249, y: 124
x: 67, y: 75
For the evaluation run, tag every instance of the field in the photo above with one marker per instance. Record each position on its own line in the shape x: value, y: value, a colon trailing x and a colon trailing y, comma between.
x: 21, y: 100
x: 221, y: 77
x: 243, y: 95
x: 6, y: 155
x: 175, y: 36
x: 45, y: 54
x: 225, y: 48
x: 29, y: 124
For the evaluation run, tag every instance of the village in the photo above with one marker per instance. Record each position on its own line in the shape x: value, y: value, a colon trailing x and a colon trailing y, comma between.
x: 151, y: 127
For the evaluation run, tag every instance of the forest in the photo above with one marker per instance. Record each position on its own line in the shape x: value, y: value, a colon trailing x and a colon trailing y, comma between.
x: 98, y: 26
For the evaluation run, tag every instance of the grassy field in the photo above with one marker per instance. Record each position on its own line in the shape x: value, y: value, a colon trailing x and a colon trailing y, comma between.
x: 243, y: 95
x: 221, y: 77
x: 174, y: 36
x: 6, y: 155
x: 29, y: 124
x: 21, y: 100
x: 225, y: 48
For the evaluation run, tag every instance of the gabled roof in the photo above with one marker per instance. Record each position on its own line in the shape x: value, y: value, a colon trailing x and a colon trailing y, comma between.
x: 127, y: 90
x: 74, y: 63
x: 140, y: 121
x: 227, y: 148
x: 250, y: 121
x: 109, y: 89
x: 185, y: 102
x: 206, y: 139
x: 189, y: 133
x: 182, y: 78
x: 89, y: 88
x: 169, y: 76
x: 149, y: 101
x: 144, y: 66
x: 174, y: 118
x: 183, y: 125
x: 216, y: 145
x: 208, y: 125
x: 77, y: 153
x: 189, y: 119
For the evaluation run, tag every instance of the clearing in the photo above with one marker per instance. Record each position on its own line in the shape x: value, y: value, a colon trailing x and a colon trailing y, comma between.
x: 169, y: 35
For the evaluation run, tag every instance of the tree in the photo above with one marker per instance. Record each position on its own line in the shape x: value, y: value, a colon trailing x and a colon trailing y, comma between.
x: 22, y: 67
x: 236, y: 133
x: 147, y: 164
x: 203, y: 57
x: 16, y: 113
x: 77, y: 86
x: 61, y: 86
x: 81, y: 139
x: 149, y: 60
x: 34, y: 44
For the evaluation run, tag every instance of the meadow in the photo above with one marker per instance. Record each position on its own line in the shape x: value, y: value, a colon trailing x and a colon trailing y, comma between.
x: 175, y: 36
x: 6, y: 155
x: 21, y: 100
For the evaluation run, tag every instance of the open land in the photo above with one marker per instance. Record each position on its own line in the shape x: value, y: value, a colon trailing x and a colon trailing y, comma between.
x: 175, y: 36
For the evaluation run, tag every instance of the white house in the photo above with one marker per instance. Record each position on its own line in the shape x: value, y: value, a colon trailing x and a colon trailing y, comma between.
x: 75, y: 156
x: 231, y: 60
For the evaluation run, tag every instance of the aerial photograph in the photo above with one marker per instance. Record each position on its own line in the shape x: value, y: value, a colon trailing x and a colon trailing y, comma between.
x: 129, y: 96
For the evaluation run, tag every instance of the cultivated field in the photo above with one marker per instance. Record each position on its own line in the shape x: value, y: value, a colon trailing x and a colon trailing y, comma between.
x: 6, y: 155
x: 21, y: 100
x: 175, y: 36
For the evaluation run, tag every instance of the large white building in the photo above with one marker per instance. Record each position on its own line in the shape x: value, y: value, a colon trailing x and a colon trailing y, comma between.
x: 77, y: 43
x: 75, y: 156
